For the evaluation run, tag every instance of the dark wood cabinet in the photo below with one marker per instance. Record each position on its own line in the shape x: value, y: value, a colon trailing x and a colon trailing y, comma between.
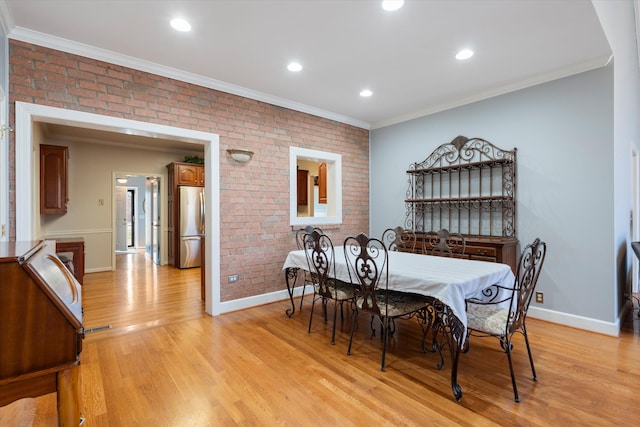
x: 302, y: 187
x: 322, y: 183
x: 53, y: 179
x: 41, y: 328
x: 189, y: 174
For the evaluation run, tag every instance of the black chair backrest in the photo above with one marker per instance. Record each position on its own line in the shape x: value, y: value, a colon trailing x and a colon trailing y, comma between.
x: 301, y: 232
x: 399, y: 239
x: 529, y: 267
x: 444, y: 243
x: 368, y: 266
x: 321, y: 261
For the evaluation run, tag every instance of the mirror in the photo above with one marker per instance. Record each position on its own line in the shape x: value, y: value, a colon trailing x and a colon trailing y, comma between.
x: 315, y: 187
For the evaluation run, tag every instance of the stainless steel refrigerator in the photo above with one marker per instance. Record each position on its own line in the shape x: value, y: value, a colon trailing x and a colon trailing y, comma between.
x: 191, y: 222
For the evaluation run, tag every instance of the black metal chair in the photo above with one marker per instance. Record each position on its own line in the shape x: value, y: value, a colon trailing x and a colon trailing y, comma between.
x: 300, y: 235
x: 444, y: 243
x: 368, y: 266
x: 399, y: 239
x: 489, y: 317
x: 322, y: 264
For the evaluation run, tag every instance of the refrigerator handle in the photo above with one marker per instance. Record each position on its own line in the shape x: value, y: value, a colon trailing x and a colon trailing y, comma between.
x: 202, y: 211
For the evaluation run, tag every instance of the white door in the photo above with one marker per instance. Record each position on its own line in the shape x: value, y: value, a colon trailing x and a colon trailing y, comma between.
x: 121, y: 219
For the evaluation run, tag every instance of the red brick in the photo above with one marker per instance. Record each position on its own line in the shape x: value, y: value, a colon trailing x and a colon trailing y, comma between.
x: 253, y: 200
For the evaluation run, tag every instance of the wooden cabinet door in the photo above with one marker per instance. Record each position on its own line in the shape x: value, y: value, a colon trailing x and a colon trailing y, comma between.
x: 53, y: 179
x: 188, y: 174
x: 302, y: 187
x: 322, y: 183
x: 200, y: 175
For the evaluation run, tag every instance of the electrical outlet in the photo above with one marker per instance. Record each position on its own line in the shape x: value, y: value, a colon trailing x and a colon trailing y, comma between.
x: 233, y: 278
x: 539, y: 297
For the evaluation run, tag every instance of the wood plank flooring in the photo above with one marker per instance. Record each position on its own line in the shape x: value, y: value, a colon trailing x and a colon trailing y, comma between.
x: 166, y: 363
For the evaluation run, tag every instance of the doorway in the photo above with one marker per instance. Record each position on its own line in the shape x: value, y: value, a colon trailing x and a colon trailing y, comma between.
x: 153, y: 222
x: 137, y: 213
x: 27, y: 115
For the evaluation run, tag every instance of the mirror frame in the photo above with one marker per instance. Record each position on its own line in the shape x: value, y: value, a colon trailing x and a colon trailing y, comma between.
x: 334, y: 183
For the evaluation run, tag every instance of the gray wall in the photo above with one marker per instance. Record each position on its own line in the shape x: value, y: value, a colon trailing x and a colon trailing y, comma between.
x: 563, y: 131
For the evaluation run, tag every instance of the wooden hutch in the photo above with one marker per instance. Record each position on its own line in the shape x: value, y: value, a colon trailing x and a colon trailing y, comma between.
x: 467, y: 186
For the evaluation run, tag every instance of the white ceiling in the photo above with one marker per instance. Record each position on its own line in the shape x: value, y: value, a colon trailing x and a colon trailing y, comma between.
x: 406, y: 57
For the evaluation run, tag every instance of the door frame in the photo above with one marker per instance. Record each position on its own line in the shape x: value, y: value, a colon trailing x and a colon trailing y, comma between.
x: 635, y: 212
x: 27, y: 114
x: 118, y: 217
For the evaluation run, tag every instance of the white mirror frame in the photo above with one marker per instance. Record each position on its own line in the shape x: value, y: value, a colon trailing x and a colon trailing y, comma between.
x: 334, y: 183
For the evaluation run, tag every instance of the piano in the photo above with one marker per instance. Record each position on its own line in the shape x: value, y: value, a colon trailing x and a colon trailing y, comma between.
x: 41, y: 329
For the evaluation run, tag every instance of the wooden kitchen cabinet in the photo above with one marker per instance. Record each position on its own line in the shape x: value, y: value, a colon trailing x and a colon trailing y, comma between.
x: 302, y: 187
x: 53, y: 179
x: 188, y: 174
x: 322, y: 183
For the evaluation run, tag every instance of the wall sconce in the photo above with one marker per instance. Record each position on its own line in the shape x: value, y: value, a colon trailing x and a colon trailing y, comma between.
x: 241, y: 156
x: 122, y: 180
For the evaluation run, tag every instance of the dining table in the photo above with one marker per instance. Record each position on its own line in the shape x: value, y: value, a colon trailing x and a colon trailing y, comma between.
x: 449, y: 281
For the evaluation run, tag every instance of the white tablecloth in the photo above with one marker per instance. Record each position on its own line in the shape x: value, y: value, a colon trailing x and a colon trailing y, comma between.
x: 451, y: 280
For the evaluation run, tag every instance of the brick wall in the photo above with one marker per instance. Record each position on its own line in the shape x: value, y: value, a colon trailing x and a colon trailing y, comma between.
x: 254, y: 200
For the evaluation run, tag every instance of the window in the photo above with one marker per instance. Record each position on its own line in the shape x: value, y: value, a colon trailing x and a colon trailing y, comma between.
x: 304, y: 210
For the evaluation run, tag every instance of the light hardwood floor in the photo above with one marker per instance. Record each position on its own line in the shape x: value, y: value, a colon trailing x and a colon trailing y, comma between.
x: 166, y: 363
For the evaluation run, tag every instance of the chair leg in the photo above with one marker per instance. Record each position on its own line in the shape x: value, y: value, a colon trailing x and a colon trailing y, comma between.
x: 313, y: 304
x: 335, y: 315
x: 353, y: 328
x: 467, y: 344
x: 385, y: 333
x: 526, y: 340
x: 304, y: 286
x: 513, y: 376
x: 373, y: 330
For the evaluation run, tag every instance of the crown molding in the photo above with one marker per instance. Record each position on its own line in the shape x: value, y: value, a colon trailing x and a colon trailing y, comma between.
x: 57, y: 43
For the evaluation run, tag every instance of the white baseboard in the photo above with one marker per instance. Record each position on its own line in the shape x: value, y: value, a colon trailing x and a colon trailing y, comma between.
x: 580, y: 322
x: 256, y: 300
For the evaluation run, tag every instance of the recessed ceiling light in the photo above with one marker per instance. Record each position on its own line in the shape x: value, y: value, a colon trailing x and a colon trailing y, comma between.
x: 464, y: 54
x: 294, y: 66
x: 391, y: 5
x: 365, y: 93
x: 180, y: 24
